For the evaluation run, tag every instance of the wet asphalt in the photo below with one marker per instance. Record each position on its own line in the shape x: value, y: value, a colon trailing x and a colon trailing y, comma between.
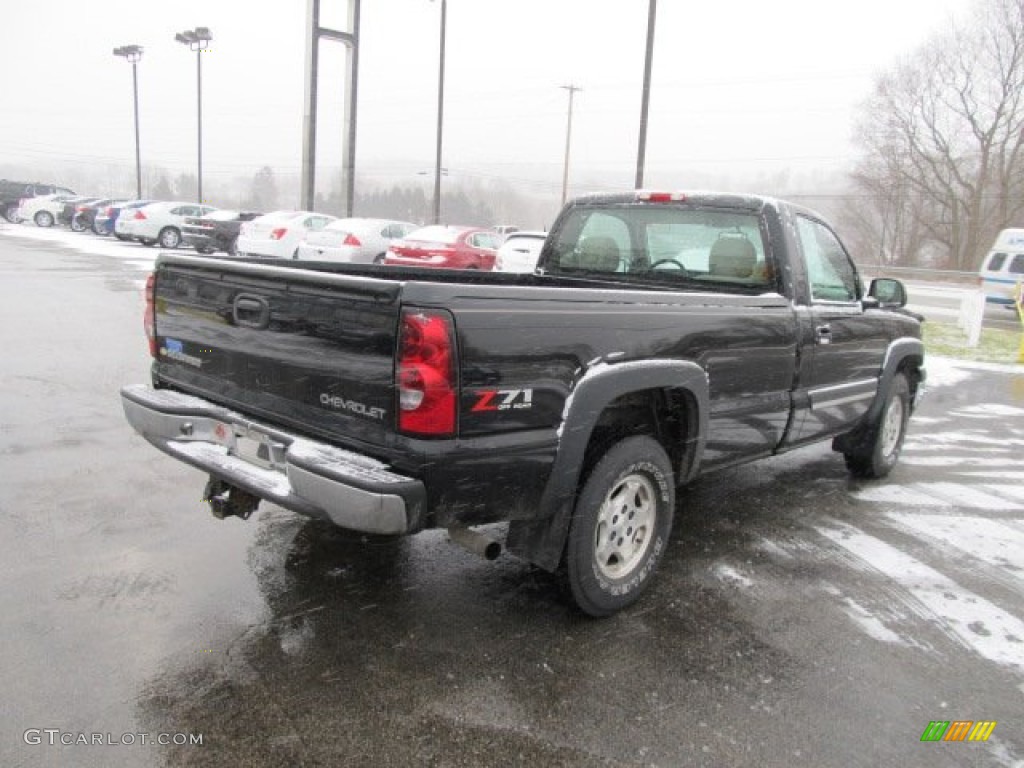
x: 129, y: 611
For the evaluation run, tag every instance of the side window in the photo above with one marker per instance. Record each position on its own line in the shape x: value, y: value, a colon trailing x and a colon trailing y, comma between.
x: 484, y: 240
x: 829, y: 269
x: 1017, y: 265
x: 996, y: 261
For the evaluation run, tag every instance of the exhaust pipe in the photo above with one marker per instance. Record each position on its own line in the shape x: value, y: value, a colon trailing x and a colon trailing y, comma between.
x: 478, y: 543
x: 228, y: 501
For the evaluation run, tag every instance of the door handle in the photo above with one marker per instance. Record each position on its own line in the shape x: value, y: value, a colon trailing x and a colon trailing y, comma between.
x: 823, y: 334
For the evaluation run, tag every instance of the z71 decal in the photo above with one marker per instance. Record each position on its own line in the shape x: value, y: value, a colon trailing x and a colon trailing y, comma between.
x: 503, y: 400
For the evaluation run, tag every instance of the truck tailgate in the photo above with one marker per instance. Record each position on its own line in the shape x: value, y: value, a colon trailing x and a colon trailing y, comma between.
x: 310, y: 350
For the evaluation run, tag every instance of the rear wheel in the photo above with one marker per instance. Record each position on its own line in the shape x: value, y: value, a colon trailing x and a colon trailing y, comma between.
x: 77, y: 225
x: 43, y: 219
x: 169, y: 237
x: 11, y: 214
x: 881, y: 444
x: 233, y: 247
x: 620, y: 526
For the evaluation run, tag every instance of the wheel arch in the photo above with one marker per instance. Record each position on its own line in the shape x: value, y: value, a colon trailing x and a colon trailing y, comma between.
x: 906, y: 356
x: 672, y: 395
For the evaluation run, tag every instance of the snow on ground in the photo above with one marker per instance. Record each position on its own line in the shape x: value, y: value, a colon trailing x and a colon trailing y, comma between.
x: 133, y: 254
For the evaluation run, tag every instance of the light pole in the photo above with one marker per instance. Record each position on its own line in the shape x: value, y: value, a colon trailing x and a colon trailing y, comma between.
x: 132, y: 54
x: 641, y: 151
x: 198, y: 40
x: 568, y: 137
x: 440, y: 117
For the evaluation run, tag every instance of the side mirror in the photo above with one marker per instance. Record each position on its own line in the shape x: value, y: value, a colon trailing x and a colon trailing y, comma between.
x: 888, y: 293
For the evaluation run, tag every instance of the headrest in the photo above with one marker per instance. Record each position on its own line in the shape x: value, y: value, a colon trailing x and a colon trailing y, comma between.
x: 732, y: 256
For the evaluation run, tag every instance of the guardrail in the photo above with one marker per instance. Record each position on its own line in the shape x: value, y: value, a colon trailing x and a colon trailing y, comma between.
x: 938, y: 275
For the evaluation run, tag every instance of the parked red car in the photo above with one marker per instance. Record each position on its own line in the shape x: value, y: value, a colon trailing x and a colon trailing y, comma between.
x: 446, y: 247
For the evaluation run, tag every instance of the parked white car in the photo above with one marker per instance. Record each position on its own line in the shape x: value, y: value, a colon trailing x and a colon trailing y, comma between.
x: 356, y: 241
x: 519, y: 252
x: 43, y: 210
x: 158, y: 222
x: 277, y: 235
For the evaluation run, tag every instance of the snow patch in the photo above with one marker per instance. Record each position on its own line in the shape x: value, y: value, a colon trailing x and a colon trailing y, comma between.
x: 730, y: 574
x: 962, y: 615
x: 989, y: 541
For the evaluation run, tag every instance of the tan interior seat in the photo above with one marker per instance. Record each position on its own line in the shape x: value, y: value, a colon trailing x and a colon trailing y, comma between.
x: 732, y: 256
x: 600, y: 254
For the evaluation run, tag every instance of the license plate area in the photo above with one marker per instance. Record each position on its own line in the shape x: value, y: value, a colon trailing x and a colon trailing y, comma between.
x: 256, y: 448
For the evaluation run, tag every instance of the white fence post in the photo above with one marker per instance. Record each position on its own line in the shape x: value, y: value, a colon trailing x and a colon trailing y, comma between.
x: 972, y: 316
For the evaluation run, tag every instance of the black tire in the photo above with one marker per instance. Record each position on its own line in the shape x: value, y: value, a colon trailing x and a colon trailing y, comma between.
x: 76, y: 224
x: 123, y: 238
x: 169, y: 237
x: 205, y: 250
x: 233, y: 247
x: 43, y: 219
x: 620, y: 526
x: 879, y: 448
x: 11, y: 214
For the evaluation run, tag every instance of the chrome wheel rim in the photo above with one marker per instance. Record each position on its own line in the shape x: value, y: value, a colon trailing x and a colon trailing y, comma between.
x: 625, y: 525
x: 892, y: 426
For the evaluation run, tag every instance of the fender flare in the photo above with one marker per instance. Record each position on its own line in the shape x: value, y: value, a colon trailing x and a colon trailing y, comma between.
x: 541, y: 540
x: 897, y: 353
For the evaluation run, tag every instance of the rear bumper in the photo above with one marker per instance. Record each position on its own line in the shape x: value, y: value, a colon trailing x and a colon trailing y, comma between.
x: 200, y: 240
x: 307, y: 476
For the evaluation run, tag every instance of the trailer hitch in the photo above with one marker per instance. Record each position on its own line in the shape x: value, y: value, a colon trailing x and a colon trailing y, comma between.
x: 226, y: 500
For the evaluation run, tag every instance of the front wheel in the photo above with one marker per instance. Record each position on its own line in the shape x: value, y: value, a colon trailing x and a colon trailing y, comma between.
x: 43, y: 219
x: 620, y: 526
x: 878, y: 453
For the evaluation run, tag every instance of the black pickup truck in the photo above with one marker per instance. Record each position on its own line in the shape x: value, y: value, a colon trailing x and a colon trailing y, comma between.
x: 663, y: 335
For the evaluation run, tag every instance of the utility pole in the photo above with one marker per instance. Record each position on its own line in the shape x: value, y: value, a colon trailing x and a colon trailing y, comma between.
x: 645, y: 99
x: 440, y: 115
x: 568, y: 139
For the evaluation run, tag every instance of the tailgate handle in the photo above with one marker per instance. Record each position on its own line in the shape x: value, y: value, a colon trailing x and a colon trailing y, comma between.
x: 251, y: 311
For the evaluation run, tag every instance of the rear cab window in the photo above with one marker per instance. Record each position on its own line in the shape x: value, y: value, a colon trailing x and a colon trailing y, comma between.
x: 683, y: 247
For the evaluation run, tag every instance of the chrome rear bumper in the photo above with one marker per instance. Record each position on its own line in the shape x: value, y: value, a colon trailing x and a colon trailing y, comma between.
x: 295, y: 472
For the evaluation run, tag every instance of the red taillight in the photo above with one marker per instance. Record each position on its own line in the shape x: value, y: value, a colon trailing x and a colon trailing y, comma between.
x: 426, y: 374
x: 149, y: 320
x: 80, y: 208
x: 351, y: 239
x: 110, y: 212
x: 278, y: 233
x: 139, y: 216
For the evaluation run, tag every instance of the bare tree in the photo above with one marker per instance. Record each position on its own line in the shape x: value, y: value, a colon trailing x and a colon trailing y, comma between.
x: 943, y: 135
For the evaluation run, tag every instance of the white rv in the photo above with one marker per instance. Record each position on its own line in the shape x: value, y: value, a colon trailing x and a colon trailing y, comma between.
x: 1003, y: 267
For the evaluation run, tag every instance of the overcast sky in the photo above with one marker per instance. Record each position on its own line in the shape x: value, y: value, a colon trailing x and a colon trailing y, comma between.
x: 737, y: 85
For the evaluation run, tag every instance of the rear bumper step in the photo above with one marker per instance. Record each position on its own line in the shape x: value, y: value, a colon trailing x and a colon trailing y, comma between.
x: 306, y: 476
